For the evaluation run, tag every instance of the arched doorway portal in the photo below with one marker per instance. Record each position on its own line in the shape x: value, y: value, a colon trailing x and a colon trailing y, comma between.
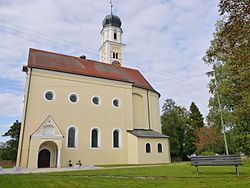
x: 44, y: 159
x: 47, y: 155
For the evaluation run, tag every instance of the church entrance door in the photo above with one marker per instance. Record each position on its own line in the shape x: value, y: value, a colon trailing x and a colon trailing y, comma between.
x: 44, y: 159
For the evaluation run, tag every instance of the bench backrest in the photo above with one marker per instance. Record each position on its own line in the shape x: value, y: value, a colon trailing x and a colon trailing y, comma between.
x: 216, y: 160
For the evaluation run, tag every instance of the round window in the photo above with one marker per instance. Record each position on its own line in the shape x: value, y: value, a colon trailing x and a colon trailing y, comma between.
x: 116, y: 102
x: 96, y: 100
x: 49, y: 95
x: 73, y: 98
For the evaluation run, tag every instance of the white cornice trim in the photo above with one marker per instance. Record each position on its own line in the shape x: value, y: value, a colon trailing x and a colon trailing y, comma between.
x: 42, y: 136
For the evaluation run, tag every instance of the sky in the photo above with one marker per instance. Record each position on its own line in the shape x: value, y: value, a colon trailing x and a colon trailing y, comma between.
x: 164, y: 39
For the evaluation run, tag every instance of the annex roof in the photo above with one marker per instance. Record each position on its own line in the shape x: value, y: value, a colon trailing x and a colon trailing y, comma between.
x: 76, y: 65
x: 147, y: 133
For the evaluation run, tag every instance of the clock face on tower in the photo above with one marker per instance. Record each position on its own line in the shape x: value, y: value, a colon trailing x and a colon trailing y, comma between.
x: 116, y: 63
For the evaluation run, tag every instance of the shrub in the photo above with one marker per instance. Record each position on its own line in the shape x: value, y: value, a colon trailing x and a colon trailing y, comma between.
x: 207, y: 153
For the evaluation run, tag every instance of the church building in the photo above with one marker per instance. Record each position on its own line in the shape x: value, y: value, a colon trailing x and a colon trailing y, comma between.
x: 77, y: 109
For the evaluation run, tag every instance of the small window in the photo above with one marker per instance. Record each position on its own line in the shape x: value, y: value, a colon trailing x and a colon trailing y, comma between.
x: 71, y: 137
x: 148, y: 148
x: 113, y: 54
x: 115, y: 36
x: 94, y: 138
x: 49, y: 95
x: 116, y: 103
x: 73, y: 98
x: 116, y: 55
x: 96, y: 100
x: 159, y: 148
x: 116, y: 139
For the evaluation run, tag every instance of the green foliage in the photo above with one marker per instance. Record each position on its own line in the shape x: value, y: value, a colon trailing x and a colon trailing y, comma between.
x: 195, y: 117
x: 10, y: 150
x: 2, y: 147
x: 230, y: 58
x: 181, y: 126
x: 246, y: 160
x: 189, y: 140
x: 196, y: 120
x: 207, y: 153
x: 209, y: 140
x: 175, y: 124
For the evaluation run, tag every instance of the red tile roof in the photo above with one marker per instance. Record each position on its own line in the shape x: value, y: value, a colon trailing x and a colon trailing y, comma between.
x: 75, y: 65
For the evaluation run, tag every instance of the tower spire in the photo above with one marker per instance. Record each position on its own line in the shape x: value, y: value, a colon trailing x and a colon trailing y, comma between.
x: 111, y: 7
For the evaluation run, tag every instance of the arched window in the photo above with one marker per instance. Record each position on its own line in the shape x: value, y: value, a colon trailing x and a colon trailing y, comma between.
x: 159, y: 146
x: 113, y: 54
x: 116, y: 139
x: 94, y: 138
x: 115, y: 36
x: 116, y: 55
x: 71, y: 137
x: 148, y: 148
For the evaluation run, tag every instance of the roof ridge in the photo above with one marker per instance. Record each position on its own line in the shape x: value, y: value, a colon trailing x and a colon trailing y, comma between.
x: 75, y: 65
x: 60, y: 54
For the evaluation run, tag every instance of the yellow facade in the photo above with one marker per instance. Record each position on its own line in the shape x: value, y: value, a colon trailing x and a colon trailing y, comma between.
x: 46, y: 124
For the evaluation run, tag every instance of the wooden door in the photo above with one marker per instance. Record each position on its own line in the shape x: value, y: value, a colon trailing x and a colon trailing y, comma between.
x: 44, y: 159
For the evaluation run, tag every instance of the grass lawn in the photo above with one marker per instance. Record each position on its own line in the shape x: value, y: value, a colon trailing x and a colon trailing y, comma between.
x: 168, y: 175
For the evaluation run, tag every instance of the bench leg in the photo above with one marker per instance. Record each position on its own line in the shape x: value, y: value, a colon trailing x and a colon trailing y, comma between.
x: 197, y: 172
x: 237, y: 170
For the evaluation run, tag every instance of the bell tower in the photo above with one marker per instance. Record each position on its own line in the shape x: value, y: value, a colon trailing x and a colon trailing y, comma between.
x: 111, y: 50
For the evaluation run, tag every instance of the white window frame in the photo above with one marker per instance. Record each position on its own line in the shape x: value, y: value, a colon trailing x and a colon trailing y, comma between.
x: 115, y: 35
x: 76, y: 137
x: 120, y: 103
x: 100, y: 100
x: 77, y: 96
x: 146, y: 148
x: 98, y: 138
x: 120, y: 138
x: 54, y: 95
x: 161, y: 147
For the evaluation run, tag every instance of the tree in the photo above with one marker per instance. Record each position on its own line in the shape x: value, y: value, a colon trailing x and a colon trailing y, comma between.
x: 195, y: 117
x: 209, y: 140
x: 2, y: 145
x: 10, y: 151
x: 195, y: 121
x: 230, y: 59
x: 174, y: 124
x: 2, y: 148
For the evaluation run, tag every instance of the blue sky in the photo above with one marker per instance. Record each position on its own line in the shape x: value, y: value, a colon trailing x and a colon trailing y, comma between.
x: 165, y: 40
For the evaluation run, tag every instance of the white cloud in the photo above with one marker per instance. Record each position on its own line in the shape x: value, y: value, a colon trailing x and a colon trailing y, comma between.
x: 4, y: 126
x: 11, y: 104
x: 164, y: 39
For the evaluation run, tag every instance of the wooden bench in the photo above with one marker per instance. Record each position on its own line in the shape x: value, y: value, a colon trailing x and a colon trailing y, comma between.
x: 220, y: 160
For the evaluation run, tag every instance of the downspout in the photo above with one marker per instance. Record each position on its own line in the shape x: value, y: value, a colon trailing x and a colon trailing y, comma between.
x: 149, y: 125
x: 24, y: 119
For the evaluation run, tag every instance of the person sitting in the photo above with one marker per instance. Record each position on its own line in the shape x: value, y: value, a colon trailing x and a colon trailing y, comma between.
x: 79, y: 163
x: 70, y: 163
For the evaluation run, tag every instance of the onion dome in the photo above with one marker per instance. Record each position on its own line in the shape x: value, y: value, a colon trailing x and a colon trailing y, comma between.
x: 111, y: 20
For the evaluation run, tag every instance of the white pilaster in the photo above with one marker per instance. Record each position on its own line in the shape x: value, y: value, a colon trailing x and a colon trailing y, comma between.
x: 58, y: 158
